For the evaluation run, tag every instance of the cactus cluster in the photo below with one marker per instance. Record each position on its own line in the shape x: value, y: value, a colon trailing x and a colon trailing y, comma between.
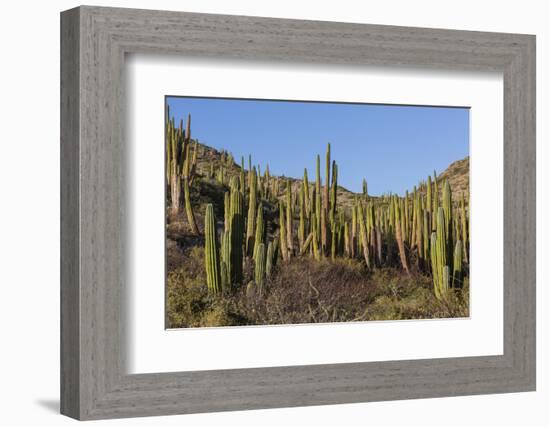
x: 424, y: 230
x: 180, y: 167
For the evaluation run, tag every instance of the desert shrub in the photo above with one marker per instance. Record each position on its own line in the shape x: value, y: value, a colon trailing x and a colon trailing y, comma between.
x: 306, y: 291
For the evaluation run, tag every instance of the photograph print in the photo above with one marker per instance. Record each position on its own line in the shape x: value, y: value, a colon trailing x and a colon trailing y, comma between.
x: 299, y: 212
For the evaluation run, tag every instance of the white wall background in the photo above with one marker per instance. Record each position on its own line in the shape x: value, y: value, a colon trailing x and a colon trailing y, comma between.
x: 29, y: 228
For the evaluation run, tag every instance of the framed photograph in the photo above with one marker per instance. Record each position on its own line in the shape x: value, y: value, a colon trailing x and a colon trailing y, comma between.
x: 261, y: 213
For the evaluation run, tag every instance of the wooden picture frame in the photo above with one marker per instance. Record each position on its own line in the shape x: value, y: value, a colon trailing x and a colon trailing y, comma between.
x: 94, y: 41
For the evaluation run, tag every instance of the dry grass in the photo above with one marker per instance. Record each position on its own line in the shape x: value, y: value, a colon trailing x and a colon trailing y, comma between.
x: 306, y: 291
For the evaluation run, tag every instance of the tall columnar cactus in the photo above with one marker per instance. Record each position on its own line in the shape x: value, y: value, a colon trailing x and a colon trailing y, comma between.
x: 347, y: 240
x: 212, y: 264
x: 282, y: 232
x: 260, y: 266
x: 174, y: 164
x: 333, y: 191
x: 457, y: 265
x: 302, y: 223
x: 324, y: 236
x: 405, y: 216
x: 426, y: 230
x: 289, y: 216
x: 260, y: 228
x: 446, y: 201
x: 327, y: 180
x: 305, y: 183
x: 242, y: 177
x: 237, y: 232
x: 365, y: 188
x: 353, y: 243
x: 269, y: 259
x: 318, y: 195
x: 399, y: 234
x: 315, y: 242
x: 333, y: 241
x: 250, y: 227
x: 419, y: 230
x: 363, y: 236
x: 189, y: 166
x: 464, y: 227
x: 435, y: 202
x: 439, y: 257
x: 225, y: 259
x: 180, y: 165
x: 429, y: 195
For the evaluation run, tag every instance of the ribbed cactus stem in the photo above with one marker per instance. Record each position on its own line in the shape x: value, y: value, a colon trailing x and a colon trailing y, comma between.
x: 327, y: 180
x: 333, y: 242
x: 457, y: 265
x: 307, y: 243
x: 260, y: 267
x: 282, y: 232
x: 227, y: 210
x: 269, y: 259
x: 225, y: 259
x: 399, y: 234
x: 260, y: 228
x: 242, y: 177
x: 333, y: 191
x: 426, y: 235
x: 212, y: 265
x: 250, y: 227
x: 323, y: 229
x: 363, y: 236
x: 302, y: 223
x: 464, y: 227
x: 315, y: 237
x: 306, y: 194
x: 189, y: 208
x: 318, y: 194
x: 439, y: 257
x: 353, y: 242
x: 237, y: 232
x: 347, y: 245
x: 289, y: 216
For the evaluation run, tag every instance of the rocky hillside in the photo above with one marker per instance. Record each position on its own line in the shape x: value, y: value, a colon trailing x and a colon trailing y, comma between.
x: 212, y: 160
x: 458, y: 174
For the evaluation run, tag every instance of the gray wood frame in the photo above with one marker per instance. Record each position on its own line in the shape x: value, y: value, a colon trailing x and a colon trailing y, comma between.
x: 94, y: 41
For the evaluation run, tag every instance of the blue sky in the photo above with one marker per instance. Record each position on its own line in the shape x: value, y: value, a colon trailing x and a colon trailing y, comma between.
x: 392, y: 146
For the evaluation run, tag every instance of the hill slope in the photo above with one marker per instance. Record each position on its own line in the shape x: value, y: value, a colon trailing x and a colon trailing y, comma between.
x: 458, y: 174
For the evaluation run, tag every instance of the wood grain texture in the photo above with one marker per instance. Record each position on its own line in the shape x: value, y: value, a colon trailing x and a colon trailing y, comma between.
x: 70, y: 297
x: 94, y: 382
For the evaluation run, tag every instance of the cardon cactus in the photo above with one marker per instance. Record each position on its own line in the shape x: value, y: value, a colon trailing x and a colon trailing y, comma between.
x: 327, y: 181
x: 363, y: 236
x: 399, y: 234
x: 212, y: 264
x: 269, y: 259
x: 189, y: 165
x: 260, y: 228
x: 282, y: 232
x: 250, y: 227
x: 289, y: 217
x: 439, y: 257
x: 457, y: 265
x: 237, y: 232
x: 225, y: 259
x: 464, y: 227
x: 260, y: 266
